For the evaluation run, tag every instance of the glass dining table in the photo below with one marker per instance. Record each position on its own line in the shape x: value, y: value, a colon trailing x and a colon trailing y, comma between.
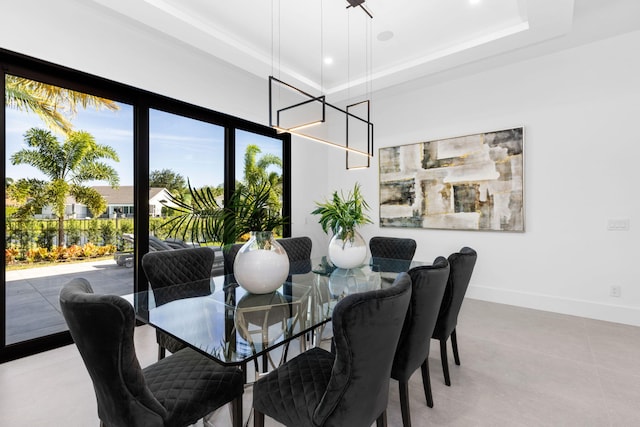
x: 218, y: 318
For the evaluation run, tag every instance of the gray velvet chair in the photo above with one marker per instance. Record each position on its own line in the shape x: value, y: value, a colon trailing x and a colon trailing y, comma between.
x: 428, y: 285
x: 349, y: 387
x: 391, y: 255
x: 175, y: 391
x: 299, y: 252
x: 461, y: 265
x: 230, y: 253
x: 176, y: 274
x: 395, y: 248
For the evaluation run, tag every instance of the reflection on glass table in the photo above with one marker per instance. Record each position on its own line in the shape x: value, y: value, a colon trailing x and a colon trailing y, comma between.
x: 331, y: 283
x: 229, y: 324
x: 235, y: 327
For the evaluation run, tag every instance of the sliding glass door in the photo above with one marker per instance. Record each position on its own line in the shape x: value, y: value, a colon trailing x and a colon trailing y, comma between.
x: 92, y: 170
x: 186, y: 158
x: 259, y: 162
x: 68, y: 200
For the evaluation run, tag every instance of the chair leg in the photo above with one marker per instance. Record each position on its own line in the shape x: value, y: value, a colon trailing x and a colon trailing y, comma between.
x: 236, y: 412
x: 445, y: 364
x: 426, y: 383
x: 404, y: 403
x: 454, y: 344
x: 381, y: 421
x: 258, y: 418
x: 161, y: 352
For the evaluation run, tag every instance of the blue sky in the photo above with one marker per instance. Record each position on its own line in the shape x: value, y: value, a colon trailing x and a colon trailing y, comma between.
x: 189, y: 147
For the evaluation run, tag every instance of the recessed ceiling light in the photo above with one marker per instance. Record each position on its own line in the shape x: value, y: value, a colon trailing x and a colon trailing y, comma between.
x: 385, y: 36
x: 474, y: 2
x: 328, y: 60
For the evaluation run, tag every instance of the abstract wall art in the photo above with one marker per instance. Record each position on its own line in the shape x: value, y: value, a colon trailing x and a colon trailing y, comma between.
x: 472, y: 182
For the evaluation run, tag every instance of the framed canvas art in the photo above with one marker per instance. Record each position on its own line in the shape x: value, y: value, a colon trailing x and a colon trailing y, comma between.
x: 472, y: 182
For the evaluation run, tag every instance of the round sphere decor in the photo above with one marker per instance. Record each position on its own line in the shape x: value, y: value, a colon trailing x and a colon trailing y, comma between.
x: 348, y: 253
x: 261, y: 265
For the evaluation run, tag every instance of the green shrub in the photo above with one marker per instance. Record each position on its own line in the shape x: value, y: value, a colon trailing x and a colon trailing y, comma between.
x: 74, y: 232
x: 93, y: 231
x: 108, y: 233
x: 48, y: 233
x: 126, y: 226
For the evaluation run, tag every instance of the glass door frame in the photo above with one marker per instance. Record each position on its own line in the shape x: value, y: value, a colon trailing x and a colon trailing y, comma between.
x: 31, y: 68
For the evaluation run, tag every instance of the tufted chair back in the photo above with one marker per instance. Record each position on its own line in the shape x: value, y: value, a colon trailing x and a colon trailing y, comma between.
x: 176, y: 274
x: 189, y: 269
x: 174, y: 392
x: 349, y: 387
x: 230, y: 253
x: 392, y: 248
x: 102, y: 328
x: 299, y: 251
x: 366, y: 329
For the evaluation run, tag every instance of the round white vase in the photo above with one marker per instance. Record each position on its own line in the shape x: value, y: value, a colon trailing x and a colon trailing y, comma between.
x: 349, y: 253
x: 261, y: 265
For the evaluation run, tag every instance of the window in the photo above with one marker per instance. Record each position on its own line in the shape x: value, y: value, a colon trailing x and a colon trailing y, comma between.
x: 200, y: 145
x: 184, y: 154
x: 69, y: 158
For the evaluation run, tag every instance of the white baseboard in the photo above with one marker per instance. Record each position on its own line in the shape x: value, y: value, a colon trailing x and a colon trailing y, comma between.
x: 575, y: 307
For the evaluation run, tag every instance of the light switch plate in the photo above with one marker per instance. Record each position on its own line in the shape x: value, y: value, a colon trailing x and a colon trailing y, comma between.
x: 618, y: 224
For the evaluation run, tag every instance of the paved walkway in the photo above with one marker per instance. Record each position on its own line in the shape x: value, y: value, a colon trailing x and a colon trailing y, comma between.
x: 32, y: 295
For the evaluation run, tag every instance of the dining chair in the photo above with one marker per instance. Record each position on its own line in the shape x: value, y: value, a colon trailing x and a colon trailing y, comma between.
x: 299, y: 251
x: 428, y: 285
x: 461, y: 266
x: 347, y: 387
x: 177, y: 274
x: 175, y: 391
x: 396, y: 248
x: 229, y: 254
x: 391, y: 255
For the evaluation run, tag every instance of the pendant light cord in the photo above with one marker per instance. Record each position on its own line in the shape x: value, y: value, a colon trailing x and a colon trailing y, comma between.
x: 321, y: 47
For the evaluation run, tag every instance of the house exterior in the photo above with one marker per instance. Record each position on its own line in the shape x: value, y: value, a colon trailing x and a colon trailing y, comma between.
x: 119, y: 202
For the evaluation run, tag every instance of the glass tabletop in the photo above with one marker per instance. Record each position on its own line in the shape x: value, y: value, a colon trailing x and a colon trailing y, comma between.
x: 223, y: 320
x: 219, y: 318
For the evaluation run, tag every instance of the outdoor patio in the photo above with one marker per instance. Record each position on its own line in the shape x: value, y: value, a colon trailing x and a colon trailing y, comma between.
x: 32, y: 295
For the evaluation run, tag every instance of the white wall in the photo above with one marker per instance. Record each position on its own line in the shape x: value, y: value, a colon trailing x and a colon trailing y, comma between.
x: 579, y: 109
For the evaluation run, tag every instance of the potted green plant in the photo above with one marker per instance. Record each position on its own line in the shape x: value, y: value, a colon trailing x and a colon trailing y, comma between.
x: 201, y: 218
x: 262, y: 264
x: 343, y: 214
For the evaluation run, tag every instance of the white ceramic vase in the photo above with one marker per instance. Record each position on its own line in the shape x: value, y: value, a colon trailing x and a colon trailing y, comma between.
x: 261, y: 265
x: 348, y: 253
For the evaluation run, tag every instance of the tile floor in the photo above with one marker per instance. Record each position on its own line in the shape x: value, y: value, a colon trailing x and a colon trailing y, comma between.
x: 520, y: 367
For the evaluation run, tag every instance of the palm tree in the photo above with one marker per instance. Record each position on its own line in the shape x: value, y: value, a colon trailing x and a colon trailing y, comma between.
x: 203, y: 219
x: 67, y: 165
x: 51, y: 103
x: 255, y: 205
x: 256, y: 174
